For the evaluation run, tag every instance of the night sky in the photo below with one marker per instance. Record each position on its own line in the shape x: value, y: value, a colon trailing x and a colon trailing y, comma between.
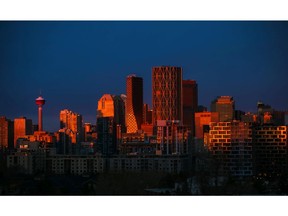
x: 75, y: 63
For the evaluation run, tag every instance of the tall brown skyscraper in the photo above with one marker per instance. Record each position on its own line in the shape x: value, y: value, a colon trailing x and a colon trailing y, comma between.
x: 190, y: 103
x: 134, y: 103
x: 6, y: 133
x: 22, y: 127
x: 167, y: 93
x: 225, y: 106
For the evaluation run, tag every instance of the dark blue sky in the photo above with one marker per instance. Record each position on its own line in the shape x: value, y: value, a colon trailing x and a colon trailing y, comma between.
x: 75, y: 63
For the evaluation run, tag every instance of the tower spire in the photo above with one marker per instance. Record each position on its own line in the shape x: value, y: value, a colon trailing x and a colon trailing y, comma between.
x: 40, y: 102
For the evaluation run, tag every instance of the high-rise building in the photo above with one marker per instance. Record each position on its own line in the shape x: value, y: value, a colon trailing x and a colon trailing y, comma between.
x: 167, y: 93
x: 6, y: 133
x: 22, y: 127
x: 203, y: 119
x: 190, y: 103
x: 106, y: 106
x: 112, y: 106
x: 72, y: 123
x: 225, y: 106
x: 147, y: 114
x: 134, y: 103
x: 106, y: 128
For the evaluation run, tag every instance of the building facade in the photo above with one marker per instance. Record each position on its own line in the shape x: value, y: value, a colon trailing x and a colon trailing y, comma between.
x: 6, y: 133
x: 167, y: 93
x: 71, y: 123
x: 134, y: 103
x: 173, y: 138
x: 22, y: 127
x: 107, y: 140
x: 270, y: 150
x: 225, y: 106
x: 203, y: 119
x: 190, y: 103
x: 112, y: 106
x: 231, y: 145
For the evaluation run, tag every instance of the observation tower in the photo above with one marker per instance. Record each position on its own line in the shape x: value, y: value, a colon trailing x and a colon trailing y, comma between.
x: 40, y: 102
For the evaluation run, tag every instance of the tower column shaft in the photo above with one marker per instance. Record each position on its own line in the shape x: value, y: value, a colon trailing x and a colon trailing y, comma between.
x: 40, y: 118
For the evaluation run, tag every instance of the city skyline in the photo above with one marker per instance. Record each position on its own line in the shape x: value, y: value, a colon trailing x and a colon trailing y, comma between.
x: 245, y: 60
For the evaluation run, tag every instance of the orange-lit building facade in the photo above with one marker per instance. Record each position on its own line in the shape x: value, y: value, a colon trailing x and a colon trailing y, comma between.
x: 231, y: 145
x: 203, y: 119
x: 71, y: 123
x: 134, y: 103
x: 22, y: 127
x: 190, y: 103
x: 225, y: 106
x: 167, y: 93
x: 6, y: 133
x: 112, y: 106
x: 270, y: 150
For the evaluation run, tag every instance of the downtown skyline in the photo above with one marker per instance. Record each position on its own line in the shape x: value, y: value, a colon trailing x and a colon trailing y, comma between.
x: 75, y: 63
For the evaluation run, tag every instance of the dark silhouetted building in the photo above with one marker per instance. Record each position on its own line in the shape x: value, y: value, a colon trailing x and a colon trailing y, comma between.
x: 225, y: 106
x: 190, y: 103
x: 106, y: 142
x: 270, y: 150
x: 167, y: 94
x: 134, y: 103
x: 173, y: 138
x: 147, y: 114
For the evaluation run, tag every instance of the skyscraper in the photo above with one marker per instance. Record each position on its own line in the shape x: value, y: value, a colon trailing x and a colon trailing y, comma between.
x: 112, y: 106
x: 225, y: 106
x: 106, y: 128
x: 22, y: 127
x: 147, y: 114
x: 6, y: 133
x: 190, y: 103
x: 167, y: 93
x: 72, y: 123
x: 134, y: 103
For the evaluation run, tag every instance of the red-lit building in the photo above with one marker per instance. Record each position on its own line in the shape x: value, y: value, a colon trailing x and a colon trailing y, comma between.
x: 71, y: 122
x: 134, y: 103
x: 22, y: 127
x: 167, y: 93
x: 6, y: 133
x: 202, y: 120
x: 190, y: 103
